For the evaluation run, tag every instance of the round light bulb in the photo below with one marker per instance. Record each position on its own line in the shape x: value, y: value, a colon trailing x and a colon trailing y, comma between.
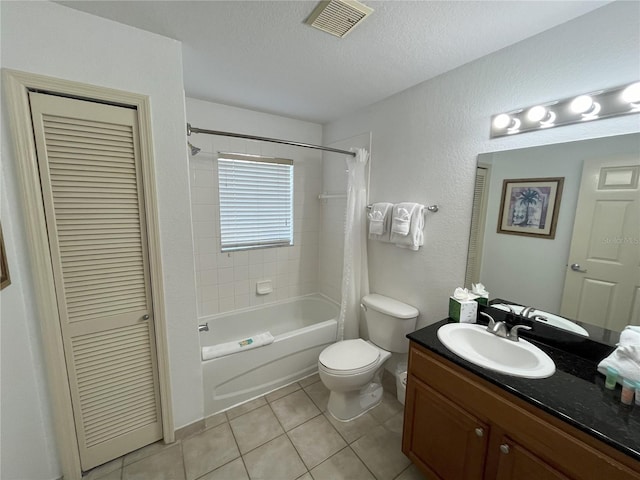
x: 549, y: 121
x: 537, y: 113
x: 631, y: 94
x: 581, y: 104
x: 502, y: 121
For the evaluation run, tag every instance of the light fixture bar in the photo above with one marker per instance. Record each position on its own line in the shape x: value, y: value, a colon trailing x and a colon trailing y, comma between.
x: 606, y: 103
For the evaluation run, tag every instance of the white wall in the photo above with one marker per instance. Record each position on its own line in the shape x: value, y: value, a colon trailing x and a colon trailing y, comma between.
x: 529, y: 258
x: 227, y: 281
x: 426, y: 139
x: 49, y: 39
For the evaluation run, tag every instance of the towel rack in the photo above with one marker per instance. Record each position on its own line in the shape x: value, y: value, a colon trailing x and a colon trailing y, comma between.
x: 430, y: 208
x: 326, y: 196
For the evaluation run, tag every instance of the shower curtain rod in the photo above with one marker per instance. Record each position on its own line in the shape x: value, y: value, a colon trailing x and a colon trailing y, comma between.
x: 191, y: 130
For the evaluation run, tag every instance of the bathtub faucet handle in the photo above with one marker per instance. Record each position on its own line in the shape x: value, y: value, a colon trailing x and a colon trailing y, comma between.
x: 203, y: 327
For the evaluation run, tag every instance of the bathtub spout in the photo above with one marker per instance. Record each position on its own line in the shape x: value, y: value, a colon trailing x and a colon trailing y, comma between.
x: 203, y: 327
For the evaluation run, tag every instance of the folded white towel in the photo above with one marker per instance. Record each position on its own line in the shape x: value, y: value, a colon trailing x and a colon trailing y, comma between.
x: 379, y: 221
x: 630, y: 335
x: 414, y: 238
x: 228, y: 348
x: 626, y: 357
x: 401, y: 218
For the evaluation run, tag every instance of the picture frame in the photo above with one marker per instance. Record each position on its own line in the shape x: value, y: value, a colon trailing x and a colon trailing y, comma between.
x: 5, y: 279
x: 529, y: 206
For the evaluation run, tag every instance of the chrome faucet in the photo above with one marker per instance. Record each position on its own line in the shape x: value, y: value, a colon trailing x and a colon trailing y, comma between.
x: 508, y: 307
x: 527, y: 311
x: 497, y: 328
x: 500, y: 329
x: 513, y: 333
x: 204, y: 327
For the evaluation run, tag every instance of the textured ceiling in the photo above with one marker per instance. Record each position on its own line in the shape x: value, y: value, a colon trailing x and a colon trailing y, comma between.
x: 260, y: 55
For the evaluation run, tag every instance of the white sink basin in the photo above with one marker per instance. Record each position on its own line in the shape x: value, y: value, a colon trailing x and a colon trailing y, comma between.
x: 553, y: 320
x: 475, y: 344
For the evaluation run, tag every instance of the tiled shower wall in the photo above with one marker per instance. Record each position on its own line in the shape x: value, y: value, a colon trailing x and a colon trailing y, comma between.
x: 227, y: 281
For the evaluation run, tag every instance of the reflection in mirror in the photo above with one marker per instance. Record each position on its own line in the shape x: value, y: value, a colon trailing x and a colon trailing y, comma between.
x: 590, y: 271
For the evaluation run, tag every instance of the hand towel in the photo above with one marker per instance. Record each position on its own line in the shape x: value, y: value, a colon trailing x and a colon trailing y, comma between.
x: 228, y: 348
x: 401, y: 218
x: 630, y: 335
x: 380, y: 221
x: 626, y: 357
x: 414, y: 238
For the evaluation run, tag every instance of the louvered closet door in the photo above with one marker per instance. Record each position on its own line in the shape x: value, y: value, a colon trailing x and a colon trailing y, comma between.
x: 94, y: 206
x: 478, y: 213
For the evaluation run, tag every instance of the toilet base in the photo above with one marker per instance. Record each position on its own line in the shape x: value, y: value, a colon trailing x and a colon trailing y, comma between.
x: 346, y: 406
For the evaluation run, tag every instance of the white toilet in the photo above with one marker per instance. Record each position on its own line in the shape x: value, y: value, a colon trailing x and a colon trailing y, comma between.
x: 352, y: 369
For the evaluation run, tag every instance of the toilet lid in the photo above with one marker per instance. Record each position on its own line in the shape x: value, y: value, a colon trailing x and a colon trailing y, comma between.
x: 349, y: 355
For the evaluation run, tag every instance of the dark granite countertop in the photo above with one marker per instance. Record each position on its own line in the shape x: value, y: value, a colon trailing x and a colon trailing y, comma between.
x: 575, y: 393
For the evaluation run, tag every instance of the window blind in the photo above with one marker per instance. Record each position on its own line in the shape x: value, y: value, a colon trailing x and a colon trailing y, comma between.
x: 256, y: 201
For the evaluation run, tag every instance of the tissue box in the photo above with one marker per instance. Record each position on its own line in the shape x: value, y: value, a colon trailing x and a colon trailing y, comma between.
x: 463, y: 311
x: 483, y: 300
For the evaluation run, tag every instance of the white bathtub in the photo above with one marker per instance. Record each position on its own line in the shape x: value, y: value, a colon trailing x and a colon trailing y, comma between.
x: 302, y: 328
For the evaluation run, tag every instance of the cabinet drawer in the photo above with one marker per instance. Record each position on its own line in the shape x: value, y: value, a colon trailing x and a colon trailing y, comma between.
x: 563, y: 447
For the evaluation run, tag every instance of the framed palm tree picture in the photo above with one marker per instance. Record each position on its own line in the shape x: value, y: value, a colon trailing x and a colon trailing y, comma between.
x: 529, y: 206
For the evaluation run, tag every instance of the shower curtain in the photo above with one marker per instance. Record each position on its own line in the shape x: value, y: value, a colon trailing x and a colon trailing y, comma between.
x: 355, y: 271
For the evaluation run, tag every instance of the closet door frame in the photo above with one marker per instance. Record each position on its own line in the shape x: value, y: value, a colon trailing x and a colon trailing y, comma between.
x: 17, y: 86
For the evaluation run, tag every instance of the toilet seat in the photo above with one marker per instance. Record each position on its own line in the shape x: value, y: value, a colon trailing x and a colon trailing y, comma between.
x: 349, y: 357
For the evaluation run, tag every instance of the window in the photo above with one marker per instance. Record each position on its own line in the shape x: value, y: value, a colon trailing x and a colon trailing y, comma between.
x: 256, y: 201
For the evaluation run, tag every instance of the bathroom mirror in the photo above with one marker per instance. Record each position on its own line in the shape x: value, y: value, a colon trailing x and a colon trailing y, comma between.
x: 590, y: 270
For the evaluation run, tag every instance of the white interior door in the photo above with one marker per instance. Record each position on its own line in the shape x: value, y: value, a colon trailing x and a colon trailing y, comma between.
x: 602, y: 283
x: 94, y: 207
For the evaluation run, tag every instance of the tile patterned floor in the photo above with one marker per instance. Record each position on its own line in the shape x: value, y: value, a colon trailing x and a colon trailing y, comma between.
x: 285, y: 435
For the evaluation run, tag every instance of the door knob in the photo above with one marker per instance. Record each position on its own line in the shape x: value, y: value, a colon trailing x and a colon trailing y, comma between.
x: 479, y: 432
x: 145, y: 317
x: 504, y: 448
x: 576, y: 268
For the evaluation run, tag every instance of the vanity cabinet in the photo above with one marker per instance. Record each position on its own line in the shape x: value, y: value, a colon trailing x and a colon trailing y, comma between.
x: 458, y: 426
x: 516, y: 462
x: 447, y: 438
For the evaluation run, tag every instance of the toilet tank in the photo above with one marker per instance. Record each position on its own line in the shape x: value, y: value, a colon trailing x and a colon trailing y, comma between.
x: 389, y: 321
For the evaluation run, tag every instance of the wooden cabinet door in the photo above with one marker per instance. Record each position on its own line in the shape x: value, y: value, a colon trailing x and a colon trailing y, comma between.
x: 517, y: 463
x: 446, y: 441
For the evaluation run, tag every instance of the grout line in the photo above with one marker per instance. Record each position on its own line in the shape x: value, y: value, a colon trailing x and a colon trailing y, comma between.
x: 287, y: 433
x: 184, y: 464
x: 236, y: 441
x: 363, y: 462
x: 400, y: 474
x: 246, y: 470
x: 329, y: 458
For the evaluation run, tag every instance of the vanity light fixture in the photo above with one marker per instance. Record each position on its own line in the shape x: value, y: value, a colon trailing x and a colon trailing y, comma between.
x: 612, y: 102
x: 631, y: 95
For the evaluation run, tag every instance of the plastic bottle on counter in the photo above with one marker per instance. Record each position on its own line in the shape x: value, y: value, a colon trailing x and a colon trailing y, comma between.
x: 612, y: 377
x: 628, y: 388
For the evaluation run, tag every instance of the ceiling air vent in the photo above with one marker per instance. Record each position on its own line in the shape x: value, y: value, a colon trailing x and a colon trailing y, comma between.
x: 338, y: 17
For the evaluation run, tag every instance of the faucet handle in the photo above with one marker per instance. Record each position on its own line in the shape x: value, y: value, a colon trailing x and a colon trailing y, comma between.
x: 526, y: 312
x: 492, y: 322
x: 508, y: 307
x: 513, y: 333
